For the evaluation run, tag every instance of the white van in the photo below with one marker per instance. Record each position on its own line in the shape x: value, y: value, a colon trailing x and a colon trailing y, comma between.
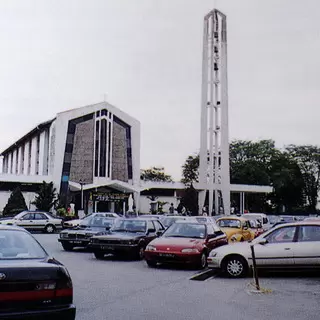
x: 263, y: 218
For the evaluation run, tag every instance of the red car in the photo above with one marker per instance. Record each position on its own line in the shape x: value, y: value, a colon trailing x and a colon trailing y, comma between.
x: 185, y: 242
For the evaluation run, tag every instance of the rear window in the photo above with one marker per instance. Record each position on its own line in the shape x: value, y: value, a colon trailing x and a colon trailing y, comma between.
x: 19, y: 245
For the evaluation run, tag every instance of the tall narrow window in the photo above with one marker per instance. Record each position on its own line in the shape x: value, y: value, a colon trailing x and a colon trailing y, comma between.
x: 22, y: 160
x: 17, y: 161
x: 29, y: 157
x: 103, y: 147
x: 109, y: 149
x: 96, y: 156
x: 37, y: 154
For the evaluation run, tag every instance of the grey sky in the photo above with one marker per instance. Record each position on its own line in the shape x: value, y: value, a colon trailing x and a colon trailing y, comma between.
x: 146, y: 56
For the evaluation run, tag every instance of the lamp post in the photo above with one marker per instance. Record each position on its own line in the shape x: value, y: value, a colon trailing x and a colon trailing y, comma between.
x: 81, y: 184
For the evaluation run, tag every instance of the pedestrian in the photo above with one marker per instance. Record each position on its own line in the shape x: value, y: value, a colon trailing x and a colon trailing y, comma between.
x: 171, y: 209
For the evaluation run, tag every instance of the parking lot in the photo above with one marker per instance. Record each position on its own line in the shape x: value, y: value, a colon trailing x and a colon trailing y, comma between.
x: 122, y: 289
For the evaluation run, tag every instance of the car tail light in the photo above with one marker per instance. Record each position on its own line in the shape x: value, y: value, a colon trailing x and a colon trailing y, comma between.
x: 64, y: 288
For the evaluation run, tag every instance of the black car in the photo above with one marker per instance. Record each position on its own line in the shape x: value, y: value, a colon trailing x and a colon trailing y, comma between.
x: 33, y: 285
x: 127, y: 236
x: 80, y: 236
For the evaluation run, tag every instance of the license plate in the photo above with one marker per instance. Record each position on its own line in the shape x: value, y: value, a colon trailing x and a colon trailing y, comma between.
x: 76, y: 242
x: 106, y: 248
x: 168, y: 255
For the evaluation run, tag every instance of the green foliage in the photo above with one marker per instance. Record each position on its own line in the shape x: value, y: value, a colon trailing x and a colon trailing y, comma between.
x: 293, y: 173
x: 61, y: 212
x: 160, y: 206
x: 16, y: 203
x: 155, y: 174
x: 190, y: 170
x: 189, y: 200
x: 46, y: 197
x: 308, y: 159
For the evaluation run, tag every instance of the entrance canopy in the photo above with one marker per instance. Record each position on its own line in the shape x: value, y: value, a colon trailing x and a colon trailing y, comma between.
x: 114, y: 184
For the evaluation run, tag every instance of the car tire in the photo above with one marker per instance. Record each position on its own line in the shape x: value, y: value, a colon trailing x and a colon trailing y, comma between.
x: 50, y: 228
x: 151, y: 264
x: 235, y: 266
x: 202, y: 261
x: 67, y: 246
x: 99, y: 255
x: 140, y: 253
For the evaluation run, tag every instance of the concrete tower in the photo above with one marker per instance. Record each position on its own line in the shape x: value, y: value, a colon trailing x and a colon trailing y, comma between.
x: 214, y: 172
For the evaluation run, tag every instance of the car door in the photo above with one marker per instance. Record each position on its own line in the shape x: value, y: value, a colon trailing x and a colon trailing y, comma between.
x: 151, y: 231
x: 26, y: 221
x: 307, y: 253
x: 40, y: 221
x: 279, y: 249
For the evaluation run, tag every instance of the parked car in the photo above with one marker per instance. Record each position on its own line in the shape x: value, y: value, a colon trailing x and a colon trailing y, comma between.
x: 263, y: 218
x: 127, y: 236
x: 167, y: 221
x: 77, y: 222
x: 236, y: 228
x: 33, y: 285
x: 312, y: 219
x: 288, y: 218
x: 35, y: 221
x: 185, y: 242
x: 80, y: 236
x: 204, y: 219
x: 256, y: 226
x: 291, y: 245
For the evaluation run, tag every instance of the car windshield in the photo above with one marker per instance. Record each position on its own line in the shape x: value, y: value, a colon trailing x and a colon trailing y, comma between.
x: 19, y: 245
x: 129, y: 225
x: 169, y: 221
x: 229, y: 223
x: 186, y: 230
x: 99, y: 221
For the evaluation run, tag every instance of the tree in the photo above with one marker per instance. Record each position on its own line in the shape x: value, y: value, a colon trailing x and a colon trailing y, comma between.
x: 189, y: 200
x: 16, y: 203
x: 46, y: 197
x: 155, y: 174
x: 190, y: 170
x: 308, y: 160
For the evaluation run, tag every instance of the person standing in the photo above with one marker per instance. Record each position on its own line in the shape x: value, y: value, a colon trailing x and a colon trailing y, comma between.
x: 171, y: 209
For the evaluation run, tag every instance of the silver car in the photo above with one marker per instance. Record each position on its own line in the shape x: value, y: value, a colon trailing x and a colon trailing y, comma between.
x: 291, y: 245
x: 35, y: 221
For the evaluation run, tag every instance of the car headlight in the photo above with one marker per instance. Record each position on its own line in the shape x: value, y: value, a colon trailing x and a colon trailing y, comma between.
x: 88, y: 235
x: 213, y: 254
x: 190, y: 250
x: 63, y: 235
x: 151, y: 248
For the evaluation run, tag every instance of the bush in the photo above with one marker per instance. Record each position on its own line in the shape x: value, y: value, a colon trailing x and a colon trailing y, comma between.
x: 16, y: 203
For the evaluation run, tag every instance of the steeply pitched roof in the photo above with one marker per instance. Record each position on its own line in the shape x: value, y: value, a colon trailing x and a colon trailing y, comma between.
x: 40, y: 127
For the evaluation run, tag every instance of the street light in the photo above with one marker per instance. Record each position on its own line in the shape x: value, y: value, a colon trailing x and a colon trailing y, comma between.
x: 81, y: 184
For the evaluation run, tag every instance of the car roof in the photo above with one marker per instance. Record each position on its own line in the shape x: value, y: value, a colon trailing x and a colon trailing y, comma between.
x: 301, y: 223
x: 234, y: 218
x: 10, y: 227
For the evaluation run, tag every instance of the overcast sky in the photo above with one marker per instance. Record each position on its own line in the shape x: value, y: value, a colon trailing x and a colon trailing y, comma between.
x: 146, y: 55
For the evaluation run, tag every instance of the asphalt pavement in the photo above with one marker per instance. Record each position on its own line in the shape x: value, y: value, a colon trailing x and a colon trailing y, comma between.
x: 120, y: 289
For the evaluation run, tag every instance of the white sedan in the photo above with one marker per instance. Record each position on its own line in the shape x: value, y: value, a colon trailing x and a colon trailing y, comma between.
x: 76, y: 222
x: 35, y: 221
x: 291, y: 245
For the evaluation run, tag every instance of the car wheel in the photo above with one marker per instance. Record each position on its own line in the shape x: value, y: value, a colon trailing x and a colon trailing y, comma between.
x: 99, y: 255
x: 140, y: 254
x: 151, y: 264
x: 50, y: 228
x: 235, y: 266
x: 67, y: 246
x: 203, y: 261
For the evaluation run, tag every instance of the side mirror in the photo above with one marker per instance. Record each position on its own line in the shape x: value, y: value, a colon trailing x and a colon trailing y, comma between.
x: 245, y: 228
x: 263, y: 241
x: 159, y: 233
x: 210, y: 236
x: 108, y: 228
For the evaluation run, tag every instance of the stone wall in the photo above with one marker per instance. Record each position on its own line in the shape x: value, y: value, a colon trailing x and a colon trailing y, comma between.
x: 83, y: 153
x: 119, y: 153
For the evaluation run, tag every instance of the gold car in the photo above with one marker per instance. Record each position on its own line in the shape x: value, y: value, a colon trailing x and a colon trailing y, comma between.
x: 236, y: 228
